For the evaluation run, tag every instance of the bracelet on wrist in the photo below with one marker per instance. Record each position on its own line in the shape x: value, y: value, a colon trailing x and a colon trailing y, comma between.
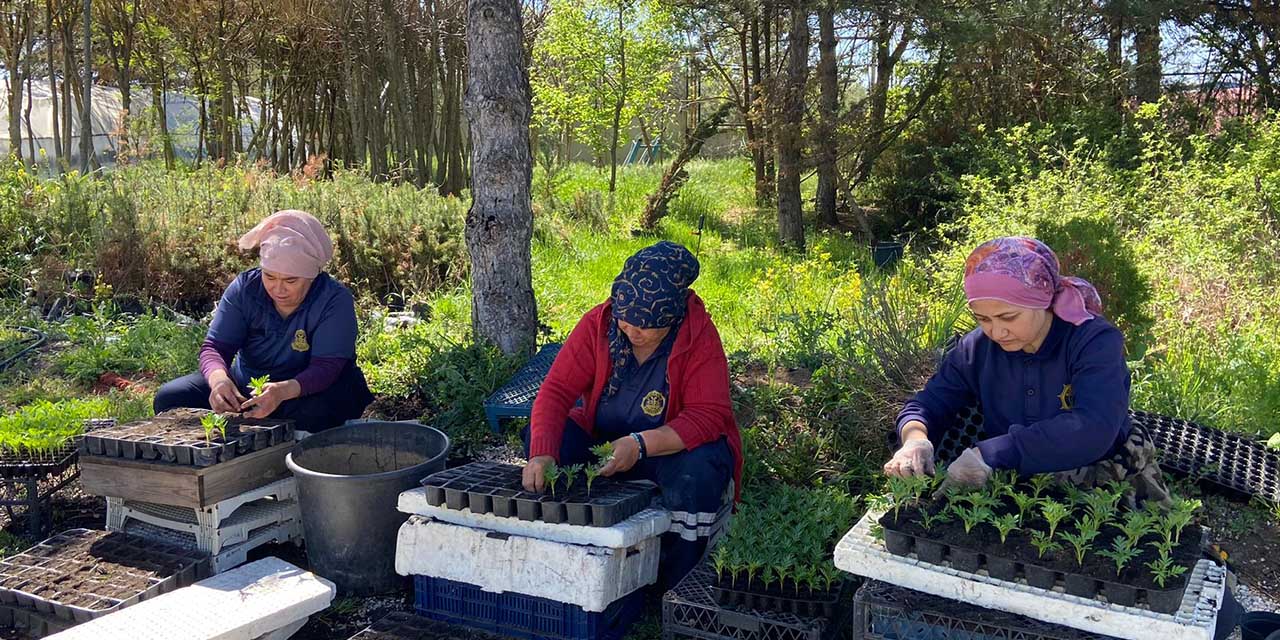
x: 644, y: 452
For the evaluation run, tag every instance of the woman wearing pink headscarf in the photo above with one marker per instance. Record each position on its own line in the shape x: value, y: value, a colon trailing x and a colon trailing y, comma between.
x: 1049, y: 374
x: 288, y: 320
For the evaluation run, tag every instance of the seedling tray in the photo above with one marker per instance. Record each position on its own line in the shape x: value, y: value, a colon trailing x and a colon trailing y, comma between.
x: 882, y: 611
x: 79, y: 574
x: 691, y: 611
x: 406, y: 626
x: 1012, y: 568
x: 176, y: 437
x: 486, y: 487
x: 786, y: 598
x: 1224, y: 459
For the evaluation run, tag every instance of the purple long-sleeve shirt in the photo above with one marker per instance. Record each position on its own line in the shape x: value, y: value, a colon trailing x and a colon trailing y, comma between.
x: 1063, y: 407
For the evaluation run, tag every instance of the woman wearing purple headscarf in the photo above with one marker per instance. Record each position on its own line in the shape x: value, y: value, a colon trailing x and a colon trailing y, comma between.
x: 287, y: 320
x: 1049, y: 374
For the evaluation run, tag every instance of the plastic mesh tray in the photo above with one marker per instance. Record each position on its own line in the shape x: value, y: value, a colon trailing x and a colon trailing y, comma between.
x: 515, y: 398
x: 1225, y: 459
x: 690, y: 611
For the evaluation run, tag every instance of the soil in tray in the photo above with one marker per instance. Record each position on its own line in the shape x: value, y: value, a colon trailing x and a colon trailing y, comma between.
x: 487, y: 487
x: 985, y: 540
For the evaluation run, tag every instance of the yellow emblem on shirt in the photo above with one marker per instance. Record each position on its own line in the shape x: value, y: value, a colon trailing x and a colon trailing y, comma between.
x: 653, y: 404
x: 1067, y: 397
x: 300, y: 341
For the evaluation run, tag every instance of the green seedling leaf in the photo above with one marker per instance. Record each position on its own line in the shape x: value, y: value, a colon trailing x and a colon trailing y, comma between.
x: 551, y: 473
x: 592, y: 472
x: 570, y: 475
x: 1163, y: 569
x: 1006, y: 524
x: 1054, y: 512
x: 258, y: 384
x: 1044, y: 543
x: 1121, y: 553
x: 603, y: 452
x: 1274, y: 441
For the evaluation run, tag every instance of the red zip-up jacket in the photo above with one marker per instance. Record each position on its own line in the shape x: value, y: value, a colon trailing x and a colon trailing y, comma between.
x: 698, y: 409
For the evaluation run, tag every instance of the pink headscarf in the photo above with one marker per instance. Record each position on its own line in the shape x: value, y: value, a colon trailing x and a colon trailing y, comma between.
x: 1025, y: 272
x: 292, y: 243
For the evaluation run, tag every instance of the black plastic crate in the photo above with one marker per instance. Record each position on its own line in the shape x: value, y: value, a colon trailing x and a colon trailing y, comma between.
x: 32, y: 492
x: 1224, y: 459
x: 487, y: 487
x: 690, y: 611
x: 406, y: 626
x: 522, y: 616
x: 885, y: 612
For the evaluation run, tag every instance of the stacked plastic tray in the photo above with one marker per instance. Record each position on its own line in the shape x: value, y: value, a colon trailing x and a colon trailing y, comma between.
x: 520, y: 616
x: 691, y: 611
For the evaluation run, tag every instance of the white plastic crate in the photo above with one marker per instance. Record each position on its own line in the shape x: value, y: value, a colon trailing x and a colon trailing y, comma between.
x: 230, y: 557
x: 232, y: 530
x: 861, y: 554
x: 588, y: 576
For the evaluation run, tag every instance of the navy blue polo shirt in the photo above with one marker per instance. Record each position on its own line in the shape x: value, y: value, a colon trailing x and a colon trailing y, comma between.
x: 323, y: 326
x: 641, y: 401
x: 1061, y: 408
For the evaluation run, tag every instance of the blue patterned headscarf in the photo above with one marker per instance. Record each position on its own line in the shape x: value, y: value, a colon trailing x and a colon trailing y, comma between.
x: 651, y: 292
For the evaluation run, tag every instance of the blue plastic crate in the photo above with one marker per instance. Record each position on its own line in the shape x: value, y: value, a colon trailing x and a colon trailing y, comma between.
x: 515, y: 398
x: 521, y: 616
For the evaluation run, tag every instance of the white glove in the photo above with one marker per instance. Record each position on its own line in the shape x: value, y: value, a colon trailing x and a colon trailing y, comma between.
x: 915, y: 458
x: 968, y: 470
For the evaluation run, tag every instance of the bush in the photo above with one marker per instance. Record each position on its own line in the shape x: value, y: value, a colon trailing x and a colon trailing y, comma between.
x: 126, y: 345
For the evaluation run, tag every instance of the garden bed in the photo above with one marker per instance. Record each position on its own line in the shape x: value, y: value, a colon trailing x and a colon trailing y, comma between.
x: 177, y: 436
x: 81, y: 574
x: 486, y: 487
x: 1080, y: 541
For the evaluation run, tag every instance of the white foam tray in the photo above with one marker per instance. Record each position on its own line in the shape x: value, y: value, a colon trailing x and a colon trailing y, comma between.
x: 644, y: 525
x: 253, y: 601
x: 591, y: 577
x: 861, y: 554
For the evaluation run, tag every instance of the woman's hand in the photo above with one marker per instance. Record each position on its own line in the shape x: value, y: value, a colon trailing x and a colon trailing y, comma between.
x: 532, y: 477
x: 626, y: 452
x: 224, y: 397
x: 273, y: 393
x: 915, y: 458
x: 968, y: 470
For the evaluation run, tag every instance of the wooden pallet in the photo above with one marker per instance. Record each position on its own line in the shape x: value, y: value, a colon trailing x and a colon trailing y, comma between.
x: 183, y: 485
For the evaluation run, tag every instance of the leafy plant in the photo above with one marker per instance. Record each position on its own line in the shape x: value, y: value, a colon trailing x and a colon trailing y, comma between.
x: 972, y: 516
x: 906, y: 491
x: 592, y: 472
x: 929, y: 520
x: 1043, y: 543
x: 1163, y: 569
x: 1121, y: 553
x: 551, y: 473
x: 719, y: 558
x: 1102, y: 504
x: 1054, y: 512
x: 1002, y: 482
x: 1024, y: 503
x: 1082, y: 539
x: 603, y: 452
x: 1006, y: 524
x: 1181, y: 515
x: 1040, y: 483
x: 213, y: 422
x: 570, y: 474
x: 1138, y: 524
x: 259, y: 383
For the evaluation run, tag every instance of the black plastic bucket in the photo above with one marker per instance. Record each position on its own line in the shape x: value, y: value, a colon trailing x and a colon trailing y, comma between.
x: 886, y: 253
x: 1259, y: 625
x: 349, y: 479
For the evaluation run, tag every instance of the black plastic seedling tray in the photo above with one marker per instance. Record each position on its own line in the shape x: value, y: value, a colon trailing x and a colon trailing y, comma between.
x: 1224, y: 459
x: 80, y: 574
x: 176, y: 437
x: 486, y: 487
x: 934, y: 551
x: 785, y: 598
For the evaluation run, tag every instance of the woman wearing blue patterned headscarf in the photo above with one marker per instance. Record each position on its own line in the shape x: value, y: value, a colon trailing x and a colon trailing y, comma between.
x: 653, y: 379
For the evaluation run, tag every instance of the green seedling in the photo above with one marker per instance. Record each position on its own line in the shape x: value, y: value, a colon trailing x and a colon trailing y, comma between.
x: 592, y: 472
x: 1181, y: 515
x: 1121, y: 553
x: 1164, y: 546
x: 1138, y: 524
x: 1025, y: 503
x: 1001, y: 482
x: 570, y: 474
x: 551, y: 473
x: 1054, y: 512
x: 1040, y: 483
x: 1101, y: 504
x: 603, y: 452
x: 1274, y: 441
x: 213, y: 422
x: 972, y: 516
x: 906, y: 491
x: 1005, y: 524
x: 258, y: 384
x: 1043, y: 543
x: 720, y: 560
x: 1082, y: 540
x: 929, y: 520
x: 1163, y: 569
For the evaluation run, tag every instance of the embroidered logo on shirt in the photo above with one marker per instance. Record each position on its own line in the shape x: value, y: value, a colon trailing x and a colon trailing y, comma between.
x: 1067, y: 397
x: 300, y: 341
x: 653, y: 404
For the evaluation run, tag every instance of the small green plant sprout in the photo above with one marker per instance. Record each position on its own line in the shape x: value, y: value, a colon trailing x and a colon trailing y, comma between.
x: 604, y: 452
x: 1043, y: 543
x: 1136, y: 525
x: 1121, y: 553
x: 592, y: 472
x: 1024, y: 503
x: 1101, y: 504
x: 259, y: 383
x: 1005, y: 524
x: 1054, y: 512
x: 1001, y: 482
x: 1274, y: 441
x: 753, y: 567
x: 1163, y: 569
x: 1082, y: 540
x: 720, y: 560
x: 570, y: 474
x: 1164, y: 546
x: 213, y: 422
x: 906, y: 491
x: 1040, y: 483
x: 551, y: 473
x: 972, y: 516
x: 1076, y: 496
x: 1183, y: 512
x: 930, y: 520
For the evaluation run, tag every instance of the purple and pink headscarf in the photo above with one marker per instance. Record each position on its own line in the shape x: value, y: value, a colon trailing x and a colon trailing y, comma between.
x: 1025, y: 272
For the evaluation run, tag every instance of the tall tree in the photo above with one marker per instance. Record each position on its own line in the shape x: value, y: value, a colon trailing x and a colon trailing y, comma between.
x: 789, y: 120
x: 15, y: 34
x: 825, y: 143
x: 499, y: 224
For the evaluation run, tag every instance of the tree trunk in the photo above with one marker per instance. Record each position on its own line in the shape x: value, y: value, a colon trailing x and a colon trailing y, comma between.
x: 1146, y: 42
x: 829, y: 104
x: 53, y: 86
x: 620, y: 100
x: 500, y: 222
x: 790, y: 206
x: 1115, y: 54
x: 15, y: 102
x: 86, y: 113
